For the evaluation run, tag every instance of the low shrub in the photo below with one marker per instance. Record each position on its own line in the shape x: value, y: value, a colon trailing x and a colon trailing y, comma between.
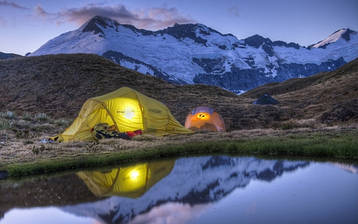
x: 289, y: 125
x: 36, y: 149
x: 26, y: 142
x: 62, y: 122
x: 5, y: 124
x: 41, y: 117
x: 20, y: 133
x: 27, y: 116
x: 8, y: 115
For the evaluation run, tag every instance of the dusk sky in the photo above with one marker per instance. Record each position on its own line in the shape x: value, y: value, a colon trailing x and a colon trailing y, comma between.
x: 25, y: 25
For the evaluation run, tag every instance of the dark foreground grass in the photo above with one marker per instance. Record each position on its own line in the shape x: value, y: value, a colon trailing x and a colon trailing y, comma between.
x: 316, y: 147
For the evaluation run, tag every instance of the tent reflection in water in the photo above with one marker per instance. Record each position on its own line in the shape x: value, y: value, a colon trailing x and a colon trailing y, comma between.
x: 131, y: 181
x: 204, y: 118
x: 127, y: 110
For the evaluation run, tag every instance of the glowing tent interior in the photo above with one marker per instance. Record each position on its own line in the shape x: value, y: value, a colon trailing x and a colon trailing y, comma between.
x: 131, y: 181
x: 127, y: 110
x: 204, y: 118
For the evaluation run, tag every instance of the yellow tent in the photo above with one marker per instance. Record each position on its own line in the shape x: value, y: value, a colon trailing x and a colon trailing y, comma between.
x: 131, y: 181
x: 127, y: 110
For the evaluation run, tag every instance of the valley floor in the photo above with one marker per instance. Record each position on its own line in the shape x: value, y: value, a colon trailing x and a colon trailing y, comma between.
x: 22, y: 153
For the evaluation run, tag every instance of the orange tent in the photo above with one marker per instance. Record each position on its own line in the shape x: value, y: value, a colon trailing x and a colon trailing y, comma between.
x: 204, y: 118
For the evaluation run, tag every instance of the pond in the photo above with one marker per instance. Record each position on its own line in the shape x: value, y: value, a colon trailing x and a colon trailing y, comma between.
x: 208, y: 189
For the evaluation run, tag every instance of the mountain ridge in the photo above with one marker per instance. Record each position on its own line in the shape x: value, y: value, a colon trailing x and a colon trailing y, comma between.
x: 195, y: 53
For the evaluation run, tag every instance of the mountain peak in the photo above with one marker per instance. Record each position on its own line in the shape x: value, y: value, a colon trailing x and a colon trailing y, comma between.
x: 257, y: 40
x: 194, y: 31
x: 188, y: 27
x: 347, y: 33
x: 97, y: 23
x: 181, y: 31
x: 343, y: 33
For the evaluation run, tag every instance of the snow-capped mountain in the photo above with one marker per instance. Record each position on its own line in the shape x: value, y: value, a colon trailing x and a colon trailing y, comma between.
x: 195, y: 53
x: 338, y: 36
x: 192, y: 185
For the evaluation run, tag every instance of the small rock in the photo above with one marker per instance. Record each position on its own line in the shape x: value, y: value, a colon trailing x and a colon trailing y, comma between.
x: 3, y: 174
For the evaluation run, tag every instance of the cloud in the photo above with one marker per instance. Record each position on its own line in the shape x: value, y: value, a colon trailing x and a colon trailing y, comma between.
x: 152, y: 18
x: 157, y: 18
x: 5, y: 3
x: 41, y: 12
x: 80, y: 15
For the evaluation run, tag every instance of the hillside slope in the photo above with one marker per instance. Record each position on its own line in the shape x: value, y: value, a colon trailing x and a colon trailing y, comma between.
x: 60, y: 84
x: 330, y: 96
x: 8, y: 55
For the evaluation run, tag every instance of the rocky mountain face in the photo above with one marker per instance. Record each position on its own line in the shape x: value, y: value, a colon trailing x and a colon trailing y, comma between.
x: 195, y: 53
x: 191, y: 183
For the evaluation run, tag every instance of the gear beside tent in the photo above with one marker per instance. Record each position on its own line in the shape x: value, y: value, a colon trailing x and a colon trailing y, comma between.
x: 204, y: 118
x: 126, y: 110
x: 266, y: 99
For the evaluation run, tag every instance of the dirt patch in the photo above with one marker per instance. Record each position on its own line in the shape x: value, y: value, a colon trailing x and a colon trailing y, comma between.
x: 342, y: 112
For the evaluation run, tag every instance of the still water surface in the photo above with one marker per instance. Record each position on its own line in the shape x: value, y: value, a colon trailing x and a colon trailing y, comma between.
x: 210, y: 189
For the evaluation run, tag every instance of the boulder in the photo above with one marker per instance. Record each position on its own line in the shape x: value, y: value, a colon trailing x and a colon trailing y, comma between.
x: 266, y: 99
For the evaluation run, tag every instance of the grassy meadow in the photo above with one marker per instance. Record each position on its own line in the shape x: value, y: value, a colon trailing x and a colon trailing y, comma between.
x: 23, y: 153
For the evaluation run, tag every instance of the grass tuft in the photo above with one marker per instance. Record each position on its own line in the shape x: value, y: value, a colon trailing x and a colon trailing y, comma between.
x: 8, y: 115
x: 5, y: 124
x: 41, y: 117
x: 27, y: 116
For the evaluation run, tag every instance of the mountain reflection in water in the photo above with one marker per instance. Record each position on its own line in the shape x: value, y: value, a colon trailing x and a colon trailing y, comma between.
x: 168, y: 191
x: 192, y: 181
